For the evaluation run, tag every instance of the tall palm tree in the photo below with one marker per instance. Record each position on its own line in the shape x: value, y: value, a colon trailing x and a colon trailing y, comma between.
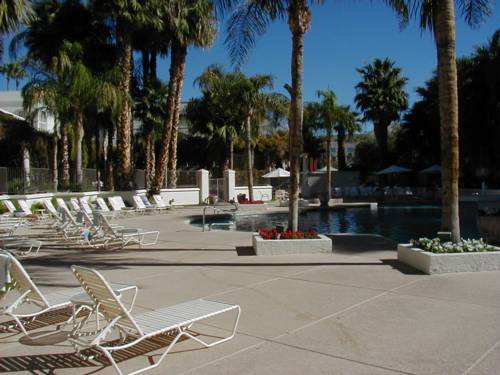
x: 188, y: 23
x: 126, y: 16
x: 439, y: 18
x: 381, y: 97
x: 327, y: 118
x: 250, y: 20
x: 150, y: 109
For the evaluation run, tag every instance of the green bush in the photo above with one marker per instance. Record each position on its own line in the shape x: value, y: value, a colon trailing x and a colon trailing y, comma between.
x: 434, y: 245
x: 37, y: 206
x: 3, y: 209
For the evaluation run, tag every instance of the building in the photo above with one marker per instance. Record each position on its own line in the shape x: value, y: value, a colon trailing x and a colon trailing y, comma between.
x: 350, y: 149
x: 11, y: 102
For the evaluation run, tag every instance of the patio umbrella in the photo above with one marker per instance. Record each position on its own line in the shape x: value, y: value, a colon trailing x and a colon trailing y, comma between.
x: 277, y: 173
x: 324, y: 169
x: 394, y: 169
x: 433, y: 169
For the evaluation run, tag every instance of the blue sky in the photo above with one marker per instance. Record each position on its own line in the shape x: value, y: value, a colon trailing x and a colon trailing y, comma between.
x: 344, y: 35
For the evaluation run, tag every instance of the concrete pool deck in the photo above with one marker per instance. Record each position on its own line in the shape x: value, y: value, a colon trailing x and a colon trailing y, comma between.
x: 355, y: 311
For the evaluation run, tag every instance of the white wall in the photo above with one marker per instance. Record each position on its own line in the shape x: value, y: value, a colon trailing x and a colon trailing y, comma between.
x: 260, y: 193
x: 181, y: 196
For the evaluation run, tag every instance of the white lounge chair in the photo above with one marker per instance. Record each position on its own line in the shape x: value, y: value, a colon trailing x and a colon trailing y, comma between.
x: 128, y: 235
x: 140, y: 206
x: 101, y: 205
x: 30, y: 294
x: 62, y: 204
x: 75, y: 204
x: 160, y: 202
x: 24, y: 207
x: 174, y: 320
x: 118, y: 206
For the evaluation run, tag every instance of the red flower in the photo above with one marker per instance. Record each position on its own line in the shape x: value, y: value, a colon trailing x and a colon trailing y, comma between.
x: 273, y: 234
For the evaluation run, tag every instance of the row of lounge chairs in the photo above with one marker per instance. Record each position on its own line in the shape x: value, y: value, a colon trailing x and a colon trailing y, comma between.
x: 77, y: 222
x: 101, y: 299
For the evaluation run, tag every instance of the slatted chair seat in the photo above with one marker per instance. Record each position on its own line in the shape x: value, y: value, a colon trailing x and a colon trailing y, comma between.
x: 180, y: 315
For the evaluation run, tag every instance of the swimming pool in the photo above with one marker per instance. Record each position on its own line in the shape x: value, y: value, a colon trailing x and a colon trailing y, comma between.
x: 398, y: 222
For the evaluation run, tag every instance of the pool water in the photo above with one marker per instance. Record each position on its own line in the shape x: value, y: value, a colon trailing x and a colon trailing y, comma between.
x: 398, y: 222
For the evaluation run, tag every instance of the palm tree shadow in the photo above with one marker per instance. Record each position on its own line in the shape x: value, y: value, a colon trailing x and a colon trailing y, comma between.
x: 49, y: 363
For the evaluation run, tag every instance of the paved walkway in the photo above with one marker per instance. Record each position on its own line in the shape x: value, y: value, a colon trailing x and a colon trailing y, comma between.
x: 355, y: 311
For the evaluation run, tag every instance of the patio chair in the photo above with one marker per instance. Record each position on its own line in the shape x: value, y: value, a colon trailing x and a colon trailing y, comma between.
x: 62, y: 204
x: 141, y: 206
x: 75, y: 205
x: 174, y: 320
x: 30, y: 294
x: 128, y: 235
x: 118, y: 206
x: 23, y: 205
x: 23, y: 247
x: 160, y: 202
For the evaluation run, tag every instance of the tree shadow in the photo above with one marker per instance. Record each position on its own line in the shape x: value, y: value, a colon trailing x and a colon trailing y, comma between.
x: 49, y: 363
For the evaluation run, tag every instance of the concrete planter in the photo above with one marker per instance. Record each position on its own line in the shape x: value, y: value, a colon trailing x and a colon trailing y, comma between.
x: 431, y: 263
x: 322, y: 244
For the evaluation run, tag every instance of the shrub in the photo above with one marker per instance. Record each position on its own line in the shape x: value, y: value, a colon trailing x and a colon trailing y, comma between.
x: 3, y: 209
x: 434, y: 245
x: 37, y: 206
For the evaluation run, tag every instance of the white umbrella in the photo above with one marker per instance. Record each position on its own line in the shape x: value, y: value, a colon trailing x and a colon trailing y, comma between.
x: 432, y: 169
x: 324, y: 169
x: 394, y: 169
x: 277, y: 173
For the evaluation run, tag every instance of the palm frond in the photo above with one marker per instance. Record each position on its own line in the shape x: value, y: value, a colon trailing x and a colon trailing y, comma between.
x: 248, y: 22
x: 475, y: 11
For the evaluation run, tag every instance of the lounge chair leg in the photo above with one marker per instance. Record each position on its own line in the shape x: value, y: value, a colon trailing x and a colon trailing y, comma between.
x: 209, y: 345
x: 109, y: 356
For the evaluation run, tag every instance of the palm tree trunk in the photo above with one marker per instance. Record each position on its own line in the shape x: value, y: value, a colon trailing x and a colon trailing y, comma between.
x: 248, y: 144
x: 172, y: 162
x: 8, y: 81
x: 26, y: 165
x: 108, y: 159
x: 177, y: 65
x: 64, y: 157
x: 150, y: 161
x: 79, y: 147
x: 298, y: 21
x: 329, y: 167
x: 55, y: 179
x: 448, y: 111
x: 380, y: 130
x: 341, y: 150
x: 123, y: 133
x: 231, y: 154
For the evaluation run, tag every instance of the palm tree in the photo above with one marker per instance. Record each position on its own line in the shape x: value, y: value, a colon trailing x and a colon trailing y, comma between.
x: 381, y: 98
x: 250, y: 20
x: 187, y: 22
x: 150, y: 109
x: 126, y: 16
x: 439, y: 18
x: 13, y: 71
x: 67, y: 88
x: 12, y: 12
x: 346, y: 125
x: 214, y: 114
x: 327, y: 118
